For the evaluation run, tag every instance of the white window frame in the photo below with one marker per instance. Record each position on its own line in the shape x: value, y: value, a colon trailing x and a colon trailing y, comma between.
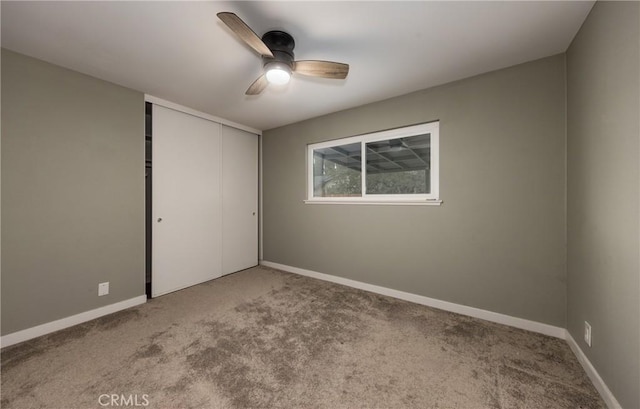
x: 432, y: 198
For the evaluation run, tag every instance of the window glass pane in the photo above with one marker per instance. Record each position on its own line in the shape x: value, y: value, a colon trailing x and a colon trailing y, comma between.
x: 337, y: 171
x: 399, y: 166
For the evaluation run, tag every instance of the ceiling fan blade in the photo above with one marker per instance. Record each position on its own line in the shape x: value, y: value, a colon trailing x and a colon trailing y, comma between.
x: 324, y: 69
x: 258, y: 86
x: 245, y: 33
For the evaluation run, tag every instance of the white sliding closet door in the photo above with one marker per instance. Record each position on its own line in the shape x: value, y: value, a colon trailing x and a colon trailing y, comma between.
x: 240, y: 200
x: 187, y: 200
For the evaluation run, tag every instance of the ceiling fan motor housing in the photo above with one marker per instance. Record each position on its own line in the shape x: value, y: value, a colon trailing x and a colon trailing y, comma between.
x: 281, y: 45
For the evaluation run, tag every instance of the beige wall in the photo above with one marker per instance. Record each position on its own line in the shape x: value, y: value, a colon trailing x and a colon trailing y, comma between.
x: 497, y: 242
x: 72, y: 192
x: 603, y: 89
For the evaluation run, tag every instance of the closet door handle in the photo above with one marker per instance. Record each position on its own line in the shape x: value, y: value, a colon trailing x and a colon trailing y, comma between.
x: 159, y: 219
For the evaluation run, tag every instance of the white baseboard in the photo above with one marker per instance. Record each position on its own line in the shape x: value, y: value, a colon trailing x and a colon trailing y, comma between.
x: 521, y: 323
x: 49, y: 327
x: 607, y: 396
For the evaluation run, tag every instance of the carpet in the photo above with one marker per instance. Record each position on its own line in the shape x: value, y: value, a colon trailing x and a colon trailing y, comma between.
x: 263, y: 338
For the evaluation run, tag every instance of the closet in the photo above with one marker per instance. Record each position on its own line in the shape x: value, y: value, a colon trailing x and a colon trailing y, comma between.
x: 204, y: 192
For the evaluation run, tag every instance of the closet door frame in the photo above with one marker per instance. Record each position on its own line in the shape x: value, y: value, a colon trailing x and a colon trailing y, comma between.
x: 221, y: 122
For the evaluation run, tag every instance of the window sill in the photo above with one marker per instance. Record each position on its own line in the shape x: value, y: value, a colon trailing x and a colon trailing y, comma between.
x: 408, y: 202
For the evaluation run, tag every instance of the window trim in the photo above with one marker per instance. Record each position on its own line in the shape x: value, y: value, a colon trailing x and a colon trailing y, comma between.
x: 432, y: 198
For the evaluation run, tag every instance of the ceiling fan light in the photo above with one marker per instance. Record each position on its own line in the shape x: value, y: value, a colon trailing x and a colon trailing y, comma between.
x: 278, y: 74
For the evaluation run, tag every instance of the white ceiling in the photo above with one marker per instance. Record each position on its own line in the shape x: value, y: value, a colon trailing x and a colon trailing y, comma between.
x: 181, y: 52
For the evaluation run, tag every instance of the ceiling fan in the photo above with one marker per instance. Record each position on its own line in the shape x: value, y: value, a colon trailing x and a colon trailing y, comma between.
x: 276, y: 48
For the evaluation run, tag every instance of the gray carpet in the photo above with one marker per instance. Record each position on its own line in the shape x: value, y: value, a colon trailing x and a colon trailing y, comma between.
x: 263, y: 338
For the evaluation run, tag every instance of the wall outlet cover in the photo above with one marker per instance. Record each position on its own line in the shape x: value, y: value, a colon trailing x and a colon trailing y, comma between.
x: 587, y: 333
x: 103, y: 289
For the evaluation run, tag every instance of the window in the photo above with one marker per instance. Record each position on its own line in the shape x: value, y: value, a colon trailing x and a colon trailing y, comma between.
x: 398, y: 166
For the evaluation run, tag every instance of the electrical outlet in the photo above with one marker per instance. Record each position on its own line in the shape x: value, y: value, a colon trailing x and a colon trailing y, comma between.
x: 103, y: 289
x: 587, y: 333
